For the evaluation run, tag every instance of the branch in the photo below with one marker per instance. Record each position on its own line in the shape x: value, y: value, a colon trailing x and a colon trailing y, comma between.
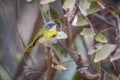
x: 118, y: 78
x: 76, y: 30
x: 86, y: 18
x: 68, y: 31
x: 50, y: 70
x: 81, y: 68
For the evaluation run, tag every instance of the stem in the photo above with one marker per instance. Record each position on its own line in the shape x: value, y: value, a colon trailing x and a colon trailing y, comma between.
x: 89, y: 23
x: 49, y: 12
x: 68, y: 31
x: 118, y: 23
x: 106, y: 29
x: 50, y: 71
x: 43, y: 17
x: 108, y: 23
x: 86, y: 18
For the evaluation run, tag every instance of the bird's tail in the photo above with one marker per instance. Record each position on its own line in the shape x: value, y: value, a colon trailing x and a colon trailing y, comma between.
x: 29, y: 47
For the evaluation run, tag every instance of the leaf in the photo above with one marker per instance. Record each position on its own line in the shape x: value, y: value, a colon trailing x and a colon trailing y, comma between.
x: 84, y: 5
x: 114, y: 11
x: 103, y: 53
x: 30, y: 1
x: 93, y: 7
x: 101, y: 38
x: 116, y: 56
x: 61, y: 35
x: 92, y: 51
x: 55, y: 60
x: 54, y: 14
x: 50, y: 12
x: 76, y: 76
x: 81, y: 21
x: 46, y: 1
x: 87, y: 33
x: 4, y: 74
x: 59, y: 67
x: 98, y: 46
x: 91, y: 0
x: 45, y: 9
x: 68, y: 4
x: 57, y: 50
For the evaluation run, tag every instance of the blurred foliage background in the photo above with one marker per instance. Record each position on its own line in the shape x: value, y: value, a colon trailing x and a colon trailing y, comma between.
x: 91, y: 51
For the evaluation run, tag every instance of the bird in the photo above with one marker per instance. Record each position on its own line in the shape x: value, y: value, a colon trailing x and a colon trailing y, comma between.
x: 47, y: 31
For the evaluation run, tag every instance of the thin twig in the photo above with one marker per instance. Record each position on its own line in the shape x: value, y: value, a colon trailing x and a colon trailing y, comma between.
x: 91, y: 25
x: 103, y: 19
x: 43, y: 17
x: 108, y: 23
x: 49, y: 13
x: 118, y: 22
x: 106, y: 29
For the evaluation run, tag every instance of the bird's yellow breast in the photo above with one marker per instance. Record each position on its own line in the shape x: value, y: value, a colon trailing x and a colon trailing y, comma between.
x: 50, y: 33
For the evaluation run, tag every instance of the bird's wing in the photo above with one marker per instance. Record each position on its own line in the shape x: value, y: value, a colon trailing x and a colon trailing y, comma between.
x: 37, y: 36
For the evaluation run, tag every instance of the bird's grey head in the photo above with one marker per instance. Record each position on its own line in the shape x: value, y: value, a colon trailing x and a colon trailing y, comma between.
x: 51, y: 25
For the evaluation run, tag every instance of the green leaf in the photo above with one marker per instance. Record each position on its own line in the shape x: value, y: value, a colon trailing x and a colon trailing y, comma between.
x: 103, y: 53
x: 50, y: 12
x: 101, y: 38
x: 87, y: 33
x: 96, y: 67
x: 46, y: 1
x: 114, y: 11
x: 91, y: 0
x: 57, y: 50
x: 68, y: 4
x: 81, y: 21
x: 54, y: 14
x: 45, y: 9
x: 77, y: 76
x: 4, y: 74
x: 84, y: 5
x: 93, y: 7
